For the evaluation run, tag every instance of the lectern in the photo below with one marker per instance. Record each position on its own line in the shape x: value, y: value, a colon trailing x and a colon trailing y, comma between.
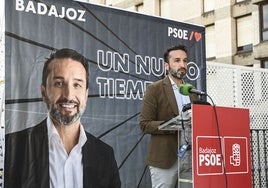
x: 182, y: 124
x: 220, y: 140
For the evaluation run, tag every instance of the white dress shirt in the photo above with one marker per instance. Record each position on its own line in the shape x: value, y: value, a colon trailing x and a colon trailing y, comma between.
x: 65, y: 171
x: 181, y: 99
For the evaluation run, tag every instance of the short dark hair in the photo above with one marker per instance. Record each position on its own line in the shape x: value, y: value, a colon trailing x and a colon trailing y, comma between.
x: 61, y: 54
x: 178, y: 47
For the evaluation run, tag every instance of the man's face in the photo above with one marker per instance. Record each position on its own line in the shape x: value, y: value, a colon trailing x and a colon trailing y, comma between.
x: 65, y: 92
x: 177, y: 62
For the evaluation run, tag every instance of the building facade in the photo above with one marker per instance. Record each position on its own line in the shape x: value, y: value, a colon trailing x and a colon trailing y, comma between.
x: 236, y: 30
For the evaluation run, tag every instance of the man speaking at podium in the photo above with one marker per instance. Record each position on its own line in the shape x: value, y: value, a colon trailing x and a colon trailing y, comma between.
x: 163, y: 101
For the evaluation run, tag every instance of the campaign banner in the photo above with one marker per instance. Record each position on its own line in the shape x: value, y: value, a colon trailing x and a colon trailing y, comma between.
x: 125, y: 52
x: 221, y: 147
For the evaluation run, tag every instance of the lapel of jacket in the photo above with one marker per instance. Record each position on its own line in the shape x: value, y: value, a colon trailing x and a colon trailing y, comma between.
x: 88, y: 160
x: 168, y: 90
x: 41, y: 154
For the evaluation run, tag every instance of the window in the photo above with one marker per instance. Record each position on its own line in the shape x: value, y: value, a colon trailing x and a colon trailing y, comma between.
x: 84, y: 1
x: 238, y: 1
x: 264, y: 64
x: 139, y: 7
x: 264, y: 21
x: 244, y: 33
x: 108, y: 2
x: 209, y: 5
x: 210, y: 42
x: 164, y: 8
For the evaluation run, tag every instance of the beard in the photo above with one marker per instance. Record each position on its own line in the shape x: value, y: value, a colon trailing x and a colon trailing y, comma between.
x: 64, y: 119
x: 180, y: 73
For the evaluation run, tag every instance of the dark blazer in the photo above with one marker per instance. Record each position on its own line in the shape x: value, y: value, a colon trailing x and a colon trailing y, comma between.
x: 159, y: 104
x: 27, y: 161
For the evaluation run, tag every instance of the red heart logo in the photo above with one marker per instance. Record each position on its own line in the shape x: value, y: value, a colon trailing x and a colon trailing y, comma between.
x: 197, y: 36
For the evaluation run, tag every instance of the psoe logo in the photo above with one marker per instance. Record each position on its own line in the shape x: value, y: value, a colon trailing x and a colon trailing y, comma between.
x: 178, y: 33
x: 43, y: 9
x: 184, y: 34
x: 235, y: 157
x: 209, y: 156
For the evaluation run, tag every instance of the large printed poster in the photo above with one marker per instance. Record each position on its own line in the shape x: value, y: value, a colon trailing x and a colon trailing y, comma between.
x: 125, y: 53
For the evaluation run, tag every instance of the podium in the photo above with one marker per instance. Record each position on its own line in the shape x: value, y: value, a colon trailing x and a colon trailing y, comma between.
x: 220, y: 146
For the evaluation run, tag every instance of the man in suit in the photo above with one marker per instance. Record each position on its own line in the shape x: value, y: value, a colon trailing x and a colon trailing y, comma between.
x: 58, y: 152
x: 162, y: 101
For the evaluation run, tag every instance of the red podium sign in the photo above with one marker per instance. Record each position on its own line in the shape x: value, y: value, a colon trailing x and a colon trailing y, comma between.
x: 221, y: 151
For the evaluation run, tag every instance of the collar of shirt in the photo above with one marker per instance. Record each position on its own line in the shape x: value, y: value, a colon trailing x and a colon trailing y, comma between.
x: 65, y: 170
x: 180, y: 99
x: 173, y: 84
x: 52, y: 132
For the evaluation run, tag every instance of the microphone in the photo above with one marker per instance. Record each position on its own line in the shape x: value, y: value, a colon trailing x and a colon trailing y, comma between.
x: 187, y: 89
